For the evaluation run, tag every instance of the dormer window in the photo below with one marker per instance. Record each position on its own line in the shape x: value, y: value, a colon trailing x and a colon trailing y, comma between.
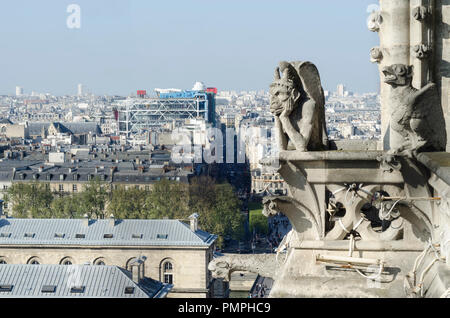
x: 6, y: 288
x: 108, y: 236
x: 30, y: 235
x: 77, y: 289
x: 48, y: 289
x: 49, y: 176
x: 162, y: 236
x: 59, y: 235
x: 129, y: 290
x: 61, y: 177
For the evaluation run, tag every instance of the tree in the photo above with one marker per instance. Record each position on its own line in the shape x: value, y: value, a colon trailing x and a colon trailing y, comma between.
x: 93, y: 198
x: 219, y: 208
x: 167, y: 199
x: 29, y: 200
x: 66, y: 207
x: 128, y: 203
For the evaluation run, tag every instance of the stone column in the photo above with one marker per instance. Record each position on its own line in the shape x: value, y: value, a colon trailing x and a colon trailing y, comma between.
x: 407, y: 37
x: 441, y: 65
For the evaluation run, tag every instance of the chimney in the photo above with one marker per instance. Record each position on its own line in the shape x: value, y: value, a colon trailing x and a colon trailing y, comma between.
x: 2, y: 216
x: 194, y: 222
x: 137, y: 269
x: 112, y: 221
x: 86, y: 220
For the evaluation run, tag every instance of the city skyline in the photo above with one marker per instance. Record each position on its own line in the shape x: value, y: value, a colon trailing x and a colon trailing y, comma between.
x: 129, y: 45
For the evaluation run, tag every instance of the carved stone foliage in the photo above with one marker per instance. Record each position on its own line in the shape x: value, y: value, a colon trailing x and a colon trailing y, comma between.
x: 421, y: 13
x: 422, y: 51
x: 353, y: 209
x: 376, y: 55
x: 297, y: 101
x: 416, y: 115
x: 374, y: 21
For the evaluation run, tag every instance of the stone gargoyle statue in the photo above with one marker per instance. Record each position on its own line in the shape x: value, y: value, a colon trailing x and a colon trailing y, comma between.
x: 416, y: 115
x: 297, y: 101
x: 265, y: 265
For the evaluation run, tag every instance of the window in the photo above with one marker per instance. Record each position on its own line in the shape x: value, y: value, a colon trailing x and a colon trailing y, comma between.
x: 77, y: 289
x: 168, y: 278
x: 168, y: 272
x: 59, y: 235
x: 107, y: 236
x: 61, y: 187
x: 48, y: 289
x: 5, y: 234
x: 162, y: 236
x: 66, y: 261
x: 167, y: 266
x: 34, y: 261
x: 129, y: 290
x: 74, y: 188
x: 137, y: 236
x: 29, y: 235
x: 2, y: 261
x: 80, y: 235
x: 6, y: 288
x: 100, y: 261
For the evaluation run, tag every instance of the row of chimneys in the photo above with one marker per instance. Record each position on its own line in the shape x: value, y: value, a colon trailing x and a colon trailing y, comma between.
x: 193, y: 221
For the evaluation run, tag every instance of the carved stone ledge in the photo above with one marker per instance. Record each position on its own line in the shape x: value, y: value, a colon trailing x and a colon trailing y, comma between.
x: 330, y: 155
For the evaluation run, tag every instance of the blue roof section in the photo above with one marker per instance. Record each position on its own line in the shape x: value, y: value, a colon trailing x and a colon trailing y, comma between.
x: 124, y: 233
x: 27, y: 281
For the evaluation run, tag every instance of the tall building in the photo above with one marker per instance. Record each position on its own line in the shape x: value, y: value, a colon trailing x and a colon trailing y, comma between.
x: 80, y: 89
x: 173, y: 106
x: 19, y: 91
x: 341, y: 90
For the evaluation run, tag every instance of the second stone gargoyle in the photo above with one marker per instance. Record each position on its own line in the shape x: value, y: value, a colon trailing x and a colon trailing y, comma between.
x: 416, y: 115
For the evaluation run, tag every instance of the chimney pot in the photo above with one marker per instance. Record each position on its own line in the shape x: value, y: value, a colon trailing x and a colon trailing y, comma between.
x: 194, y: 222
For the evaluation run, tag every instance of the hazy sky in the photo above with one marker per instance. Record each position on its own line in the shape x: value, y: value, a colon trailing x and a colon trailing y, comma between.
x: 124, y: 45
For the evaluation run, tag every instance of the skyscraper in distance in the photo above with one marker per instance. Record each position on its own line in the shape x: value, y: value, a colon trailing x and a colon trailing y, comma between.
x: 19, y: 91
x: 80, y: 89
x: 340, y: 90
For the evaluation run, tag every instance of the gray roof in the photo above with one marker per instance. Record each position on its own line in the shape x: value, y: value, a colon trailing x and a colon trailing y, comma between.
x: 35, y: 128
x: 124, y: 233
x: 98, y: 281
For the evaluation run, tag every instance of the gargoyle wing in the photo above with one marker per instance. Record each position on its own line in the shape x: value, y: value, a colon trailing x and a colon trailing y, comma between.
x: 427, y: 109
x: 309, y: 75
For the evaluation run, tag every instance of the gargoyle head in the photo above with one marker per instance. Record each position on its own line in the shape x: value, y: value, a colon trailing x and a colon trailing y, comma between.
x: 220, y: 269
x: 284, y: 89
x: 398, y: 75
